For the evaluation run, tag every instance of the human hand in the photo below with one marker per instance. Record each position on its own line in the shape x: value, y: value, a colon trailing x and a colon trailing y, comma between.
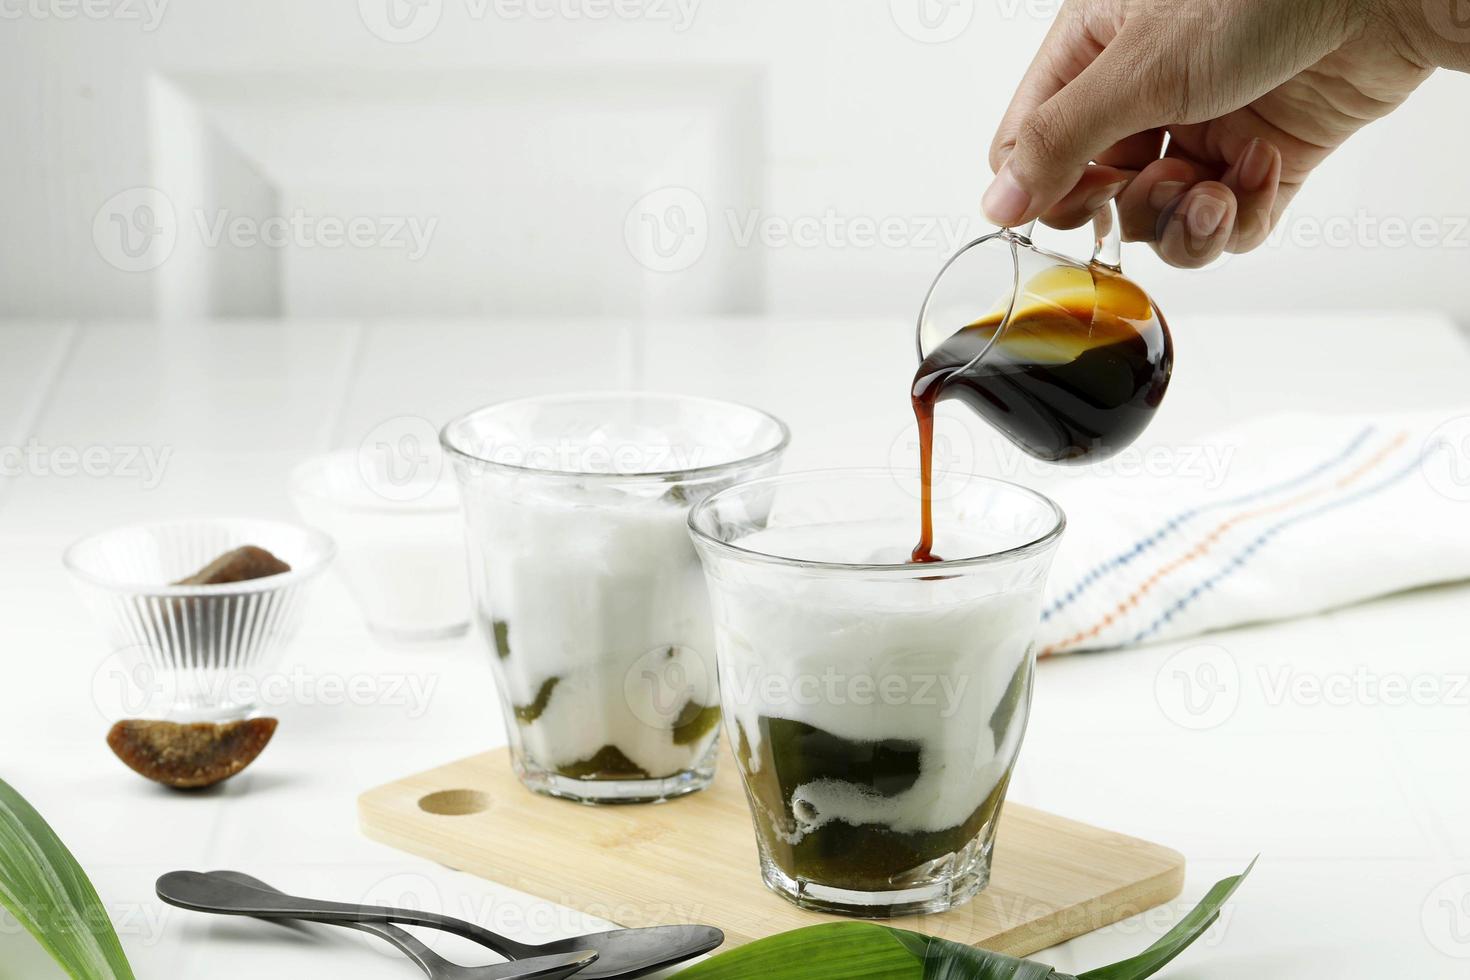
x: 1251, y: 94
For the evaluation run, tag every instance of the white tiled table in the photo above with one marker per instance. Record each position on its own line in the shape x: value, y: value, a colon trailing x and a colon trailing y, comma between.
x: 1360, y: 811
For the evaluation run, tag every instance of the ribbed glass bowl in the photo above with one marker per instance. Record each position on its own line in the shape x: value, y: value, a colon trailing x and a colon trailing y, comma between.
x: 195, y: 652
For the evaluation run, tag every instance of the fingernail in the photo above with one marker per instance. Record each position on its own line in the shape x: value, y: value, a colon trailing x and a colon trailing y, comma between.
x: 1100, y: 198
x: 1254, y: 166
x: 1164, y: 192
x: 1005, y: 202
x: 1204, y: 216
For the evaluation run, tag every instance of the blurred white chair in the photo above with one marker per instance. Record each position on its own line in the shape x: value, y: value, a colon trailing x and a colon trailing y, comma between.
x: 468, y: 192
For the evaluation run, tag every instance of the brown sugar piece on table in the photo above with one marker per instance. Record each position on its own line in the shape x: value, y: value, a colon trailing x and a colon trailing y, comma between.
x: 241, y: 565
x: 190, y: 756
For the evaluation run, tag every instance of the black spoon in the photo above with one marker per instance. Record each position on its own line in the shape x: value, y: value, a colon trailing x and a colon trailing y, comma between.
x: 622, y: 953
x: 436, y: 967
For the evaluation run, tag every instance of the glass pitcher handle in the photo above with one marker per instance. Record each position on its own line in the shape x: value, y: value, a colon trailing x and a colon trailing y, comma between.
x: 1107, y: 243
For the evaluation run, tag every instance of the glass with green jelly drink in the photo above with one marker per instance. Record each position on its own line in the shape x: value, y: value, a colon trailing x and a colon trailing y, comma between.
x: 875, y: 705
x: 587, y: 588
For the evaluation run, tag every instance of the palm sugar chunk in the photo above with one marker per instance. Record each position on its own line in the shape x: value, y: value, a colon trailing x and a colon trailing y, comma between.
x: 240, y: 565
x: 190, y: 756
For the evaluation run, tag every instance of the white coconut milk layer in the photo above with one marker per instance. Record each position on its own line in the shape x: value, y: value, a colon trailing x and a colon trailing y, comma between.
x: 867, y: 658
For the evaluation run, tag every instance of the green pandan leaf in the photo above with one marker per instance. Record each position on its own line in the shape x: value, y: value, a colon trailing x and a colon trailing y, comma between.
x: 945, y: 960
x: 865, y: 951
x: 845, y: 950
x: 1185, y: 931
x: 48, y: 892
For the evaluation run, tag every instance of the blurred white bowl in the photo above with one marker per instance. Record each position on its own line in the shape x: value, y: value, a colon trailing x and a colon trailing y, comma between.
x: 401, y: 540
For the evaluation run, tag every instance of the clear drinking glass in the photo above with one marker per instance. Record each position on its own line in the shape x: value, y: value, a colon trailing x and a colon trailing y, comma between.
x: 586, y: 584
x: 875, y: 706
x: 195, y: 652
x: 401, y: 542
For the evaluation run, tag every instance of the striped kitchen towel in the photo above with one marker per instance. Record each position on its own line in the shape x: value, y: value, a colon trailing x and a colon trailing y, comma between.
x: 1282, y: 516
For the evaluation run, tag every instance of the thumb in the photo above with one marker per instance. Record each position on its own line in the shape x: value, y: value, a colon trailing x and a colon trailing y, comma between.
x: 1052, y: 145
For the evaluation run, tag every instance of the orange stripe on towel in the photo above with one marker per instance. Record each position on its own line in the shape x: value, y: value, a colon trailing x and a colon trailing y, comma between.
x: 1209, y: 541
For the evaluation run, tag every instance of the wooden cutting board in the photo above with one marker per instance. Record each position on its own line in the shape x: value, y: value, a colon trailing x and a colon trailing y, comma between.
x: 694, y: 859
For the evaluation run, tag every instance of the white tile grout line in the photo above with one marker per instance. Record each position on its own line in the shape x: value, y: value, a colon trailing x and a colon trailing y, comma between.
x: 49, y: 376
x: 351, y: 369
x: 1420, y: 805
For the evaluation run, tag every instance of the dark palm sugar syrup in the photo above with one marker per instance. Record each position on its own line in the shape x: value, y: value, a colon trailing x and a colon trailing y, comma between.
x: 1075, y: 375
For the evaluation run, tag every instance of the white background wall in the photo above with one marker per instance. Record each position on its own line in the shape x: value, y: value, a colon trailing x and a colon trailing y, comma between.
x: 539, y: 148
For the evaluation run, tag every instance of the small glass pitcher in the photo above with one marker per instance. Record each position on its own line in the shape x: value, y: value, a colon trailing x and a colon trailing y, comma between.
x: 1067, y: 359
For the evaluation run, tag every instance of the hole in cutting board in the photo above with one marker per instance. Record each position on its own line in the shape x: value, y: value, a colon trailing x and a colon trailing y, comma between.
x: 455, y: 802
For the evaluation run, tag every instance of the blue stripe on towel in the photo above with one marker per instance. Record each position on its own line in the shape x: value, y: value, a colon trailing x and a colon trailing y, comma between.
x: 1240, y: 558
x: 1185, y: 516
